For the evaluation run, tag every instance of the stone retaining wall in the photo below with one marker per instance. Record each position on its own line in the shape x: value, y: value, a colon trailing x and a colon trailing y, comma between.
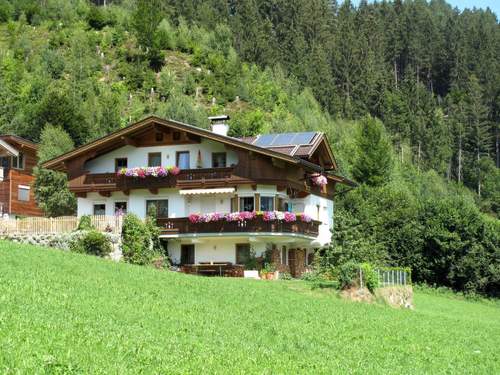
x: 63, y: 241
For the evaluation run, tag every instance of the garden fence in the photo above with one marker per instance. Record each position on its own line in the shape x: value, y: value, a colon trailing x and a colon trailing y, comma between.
x: 63, y: 224
x: 393, y: 276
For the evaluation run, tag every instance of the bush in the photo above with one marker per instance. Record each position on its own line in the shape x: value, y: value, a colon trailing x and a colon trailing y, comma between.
x: 85, y: 223
x: 140, y: 244
x: 370, y: 277
x: 349, y: 275
x: 93, y: 243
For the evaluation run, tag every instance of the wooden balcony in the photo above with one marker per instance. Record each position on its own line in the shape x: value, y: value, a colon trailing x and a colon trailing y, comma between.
x: 188, y: 178
x: 182, y: 226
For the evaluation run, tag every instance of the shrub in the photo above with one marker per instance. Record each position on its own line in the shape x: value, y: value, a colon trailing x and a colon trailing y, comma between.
x: 370, y: 277
x: 140, y: 243
x: 85, y: 223
x: 349, y: 275
x: 285, y: 276
x: 93, y: 243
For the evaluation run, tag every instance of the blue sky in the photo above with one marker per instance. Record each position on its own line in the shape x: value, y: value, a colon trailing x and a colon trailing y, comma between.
x: 461, y: 4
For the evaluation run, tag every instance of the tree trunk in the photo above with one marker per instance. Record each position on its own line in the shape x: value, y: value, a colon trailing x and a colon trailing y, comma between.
x: 459, y: 174
x: 497, y: 145
x: 419, y: 154
x: 395, y: 73
x: 478, y: 157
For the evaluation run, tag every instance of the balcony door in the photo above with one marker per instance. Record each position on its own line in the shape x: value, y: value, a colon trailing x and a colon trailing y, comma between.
x: 187, y: 254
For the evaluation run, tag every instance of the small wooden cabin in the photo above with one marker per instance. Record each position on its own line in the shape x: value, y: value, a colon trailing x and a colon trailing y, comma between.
x: 18, y: 157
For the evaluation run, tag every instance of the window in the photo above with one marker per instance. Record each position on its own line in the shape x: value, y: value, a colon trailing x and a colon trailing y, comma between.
x: 120, y: 163
x: 283, y: 255
x: 159, y: 137
x: 161, y: 207
x: 154, y: 159
x: 99, y: 209
x: 267, y: 203
x: 18, y: 161
x: 23, y: 193
x: 182, y: 159
x: 176, y: 136
x: 242, y: 253
x: 247, y: 204
x: 218, y: 159
x: 120, y: 208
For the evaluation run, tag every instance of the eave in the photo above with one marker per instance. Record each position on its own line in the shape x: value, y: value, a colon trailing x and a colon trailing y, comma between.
x: 58, y: 163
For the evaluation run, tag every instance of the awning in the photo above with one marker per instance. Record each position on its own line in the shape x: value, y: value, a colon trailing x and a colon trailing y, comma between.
x: 207, y: 191
x: 10, y: 150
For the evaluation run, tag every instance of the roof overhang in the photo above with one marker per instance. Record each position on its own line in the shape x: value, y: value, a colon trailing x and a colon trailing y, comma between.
x: 59, y: 163
x: 11, y: 151
x: 207, y: 191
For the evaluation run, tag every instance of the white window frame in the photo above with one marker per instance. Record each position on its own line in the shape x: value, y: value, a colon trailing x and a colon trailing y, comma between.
x: 98, y: 203
x: 26, y: 188
x: 272, y: 199
x: 119, y: 201
x: 16, y: 165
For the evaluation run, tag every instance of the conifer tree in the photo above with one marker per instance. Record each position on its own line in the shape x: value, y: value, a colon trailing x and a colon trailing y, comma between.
x: 374, y: 163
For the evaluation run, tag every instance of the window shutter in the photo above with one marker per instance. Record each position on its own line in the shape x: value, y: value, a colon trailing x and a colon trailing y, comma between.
x: 257, y: 202
x: 234, y: 204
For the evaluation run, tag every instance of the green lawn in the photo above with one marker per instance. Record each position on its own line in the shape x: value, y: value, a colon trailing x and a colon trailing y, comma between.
x: 71, y: 313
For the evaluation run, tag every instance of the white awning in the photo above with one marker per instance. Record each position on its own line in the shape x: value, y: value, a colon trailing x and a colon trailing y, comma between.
x: 207, y: 191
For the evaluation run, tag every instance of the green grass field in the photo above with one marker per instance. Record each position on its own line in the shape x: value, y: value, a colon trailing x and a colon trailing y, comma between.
x: 71, y: 313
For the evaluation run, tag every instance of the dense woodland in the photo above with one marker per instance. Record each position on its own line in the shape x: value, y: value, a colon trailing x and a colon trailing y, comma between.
x: 408, y: 93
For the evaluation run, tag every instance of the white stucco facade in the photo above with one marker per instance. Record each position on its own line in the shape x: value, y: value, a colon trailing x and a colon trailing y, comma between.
x: 138, y: 156
x: 208, y: 247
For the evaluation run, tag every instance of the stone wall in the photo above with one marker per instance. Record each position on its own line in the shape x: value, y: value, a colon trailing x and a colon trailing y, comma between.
x: 63, y: 241
x: 396, y: 296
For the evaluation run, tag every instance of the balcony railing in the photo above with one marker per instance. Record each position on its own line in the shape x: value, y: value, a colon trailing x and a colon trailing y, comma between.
x: 185, y: 179
x: 179, y: 226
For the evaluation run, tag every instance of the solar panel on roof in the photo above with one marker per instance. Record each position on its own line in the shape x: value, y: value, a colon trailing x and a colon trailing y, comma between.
x: 303, y: 138
x: 265, y: 140
x: 284, y: 139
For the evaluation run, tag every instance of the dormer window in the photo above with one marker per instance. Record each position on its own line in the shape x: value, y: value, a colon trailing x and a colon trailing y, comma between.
x: 18, y: 161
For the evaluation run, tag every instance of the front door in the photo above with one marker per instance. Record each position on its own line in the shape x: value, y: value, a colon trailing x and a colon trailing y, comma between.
x: 187, y: 254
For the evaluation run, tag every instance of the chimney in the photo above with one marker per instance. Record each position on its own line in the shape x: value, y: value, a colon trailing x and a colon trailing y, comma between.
x: 219, y: 125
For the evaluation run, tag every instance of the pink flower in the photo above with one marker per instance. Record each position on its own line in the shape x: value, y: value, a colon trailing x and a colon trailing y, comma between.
x: 194, y: 218
x: 305, y: 218
x: 290, y: 217
x: 174, y: 171
x: 162, y: 172
x: 269, y: 216
x: 320, y: 180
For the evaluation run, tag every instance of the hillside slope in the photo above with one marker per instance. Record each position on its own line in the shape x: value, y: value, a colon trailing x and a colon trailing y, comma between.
x: 69, y: 313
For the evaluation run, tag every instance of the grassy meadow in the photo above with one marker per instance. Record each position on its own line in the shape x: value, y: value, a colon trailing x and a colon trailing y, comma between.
x: 71, y: 313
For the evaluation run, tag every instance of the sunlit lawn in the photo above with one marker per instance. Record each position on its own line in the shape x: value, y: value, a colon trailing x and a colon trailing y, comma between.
x: 70, y: 313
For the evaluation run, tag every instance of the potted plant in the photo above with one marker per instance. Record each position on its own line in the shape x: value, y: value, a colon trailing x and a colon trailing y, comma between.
x: 268, y: 272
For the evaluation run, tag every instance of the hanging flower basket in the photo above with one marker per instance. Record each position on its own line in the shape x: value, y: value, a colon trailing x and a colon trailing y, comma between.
x: 143, y: 172
x: 319, y: 180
